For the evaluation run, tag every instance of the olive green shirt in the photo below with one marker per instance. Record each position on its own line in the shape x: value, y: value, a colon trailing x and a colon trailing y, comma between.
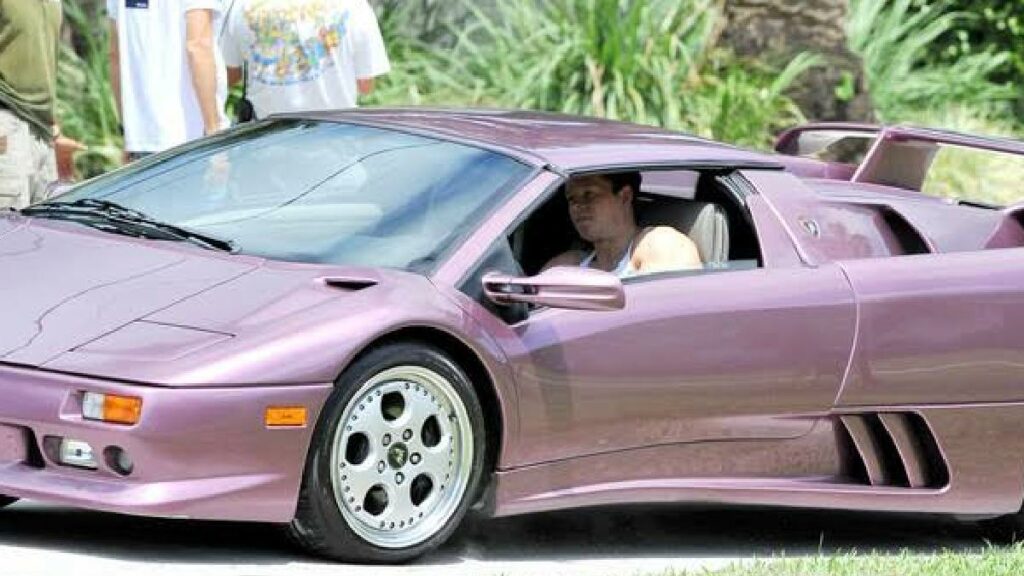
x: 29, y: 33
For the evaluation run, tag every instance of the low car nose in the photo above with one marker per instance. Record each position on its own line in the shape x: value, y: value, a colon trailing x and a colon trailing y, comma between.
x: 65, y: 300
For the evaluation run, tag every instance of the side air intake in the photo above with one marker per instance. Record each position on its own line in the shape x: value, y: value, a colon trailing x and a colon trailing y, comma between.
x: 890, y: 449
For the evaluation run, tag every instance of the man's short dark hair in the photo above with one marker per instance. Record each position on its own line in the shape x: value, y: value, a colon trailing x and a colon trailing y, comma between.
x: 620, y: 180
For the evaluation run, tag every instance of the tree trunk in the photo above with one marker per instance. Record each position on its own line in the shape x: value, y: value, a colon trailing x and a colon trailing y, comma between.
x: 777, y: 30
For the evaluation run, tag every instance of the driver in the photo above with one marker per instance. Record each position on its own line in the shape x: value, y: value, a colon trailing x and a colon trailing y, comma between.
x: 601, y: 210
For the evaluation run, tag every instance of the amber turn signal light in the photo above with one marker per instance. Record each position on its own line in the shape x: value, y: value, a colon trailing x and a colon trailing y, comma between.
x: 111, y: 408
x: 286, y: 416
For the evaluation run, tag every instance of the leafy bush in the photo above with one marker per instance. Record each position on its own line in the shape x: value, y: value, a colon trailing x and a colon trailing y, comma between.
x: 85, y: 98
x: 896, y: 40
x: 648, y: 62
x: 987, y: 27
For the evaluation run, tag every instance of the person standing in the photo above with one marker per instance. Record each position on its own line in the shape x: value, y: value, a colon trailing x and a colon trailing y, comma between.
x: 29, y: 134
x: 303, y: 55
x: 168, y: 75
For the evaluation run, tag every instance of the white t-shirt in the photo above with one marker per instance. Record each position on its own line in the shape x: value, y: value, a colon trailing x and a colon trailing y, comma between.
x: 303, y: 54
x: 158, y: 101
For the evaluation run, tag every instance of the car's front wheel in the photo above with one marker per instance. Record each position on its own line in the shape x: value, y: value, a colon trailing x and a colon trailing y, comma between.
x: 396, y: 458
x: 6, y: 500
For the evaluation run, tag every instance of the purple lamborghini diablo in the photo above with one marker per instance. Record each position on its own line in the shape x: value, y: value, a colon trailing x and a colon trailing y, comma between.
x: 343, y: 322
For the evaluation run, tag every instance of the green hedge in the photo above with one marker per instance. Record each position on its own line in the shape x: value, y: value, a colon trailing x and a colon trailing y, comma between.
x: 986, y: 26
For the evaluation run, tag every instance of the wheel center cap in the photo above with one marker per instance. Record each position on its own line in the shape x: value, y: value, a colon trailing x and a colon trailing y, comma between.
x: 398, y: 454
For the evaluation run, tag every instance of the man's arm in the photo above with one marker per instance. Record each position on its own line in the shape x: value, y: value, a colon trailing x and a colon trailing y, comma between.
x: 370, y: 58
x: 64, y: 149
x: 664, y: 248
x: 115, y: 68
x: 203, y: 65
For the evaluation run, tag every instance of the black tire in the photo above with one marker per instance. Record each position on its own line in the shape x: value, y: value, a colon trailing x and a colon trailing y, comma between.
x: 6, y: 501
x: 320, y: 526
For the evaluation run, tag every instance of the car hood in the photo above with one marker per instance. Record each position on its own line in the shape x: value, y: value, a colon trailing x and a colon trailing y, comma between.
x: 282, y: 323
x: 63, y: 285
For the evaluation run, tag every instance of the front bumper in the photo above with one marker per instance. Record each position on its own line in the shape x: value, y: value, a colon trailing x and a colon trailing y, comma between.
x: 197, y: 452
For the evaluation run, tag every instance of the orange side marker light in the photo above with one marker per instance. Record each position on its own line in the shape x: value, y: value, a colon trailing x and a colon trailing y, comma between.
x: 286, y: 417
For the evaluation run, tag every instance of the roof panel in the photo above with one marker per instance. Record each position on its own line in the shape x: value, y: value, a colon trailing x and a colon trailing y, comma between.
x: 566, y: 142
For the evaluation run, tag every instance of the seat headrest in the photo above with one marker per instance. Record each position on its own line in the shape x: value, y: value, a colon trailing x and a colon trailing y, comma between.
x: 705, y: 223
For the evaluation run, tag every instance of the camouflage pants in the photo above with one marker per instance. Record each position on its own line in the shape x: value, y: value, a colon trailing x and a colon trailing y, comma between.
x: 27, y: 163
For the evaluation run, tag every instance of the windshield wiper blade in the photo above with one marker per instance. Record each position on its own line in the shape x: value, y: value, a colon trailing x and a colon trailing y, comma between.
x: 86, y: 204
x: 121, y: 217
x: 205, y: 240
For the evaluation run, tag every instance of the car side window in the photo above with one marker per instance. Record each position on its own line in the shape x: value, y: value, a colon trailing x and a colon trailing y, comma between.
x: 696, y: 204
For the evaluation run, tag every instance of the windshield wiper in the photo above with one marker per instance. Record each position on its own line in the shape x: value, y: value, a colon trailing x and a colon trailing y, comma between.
x: 125, y: 220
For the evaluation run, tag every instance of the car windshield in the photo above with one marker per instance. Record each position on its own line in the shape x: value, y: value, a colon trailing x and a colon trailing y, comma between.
x: 320, y: 192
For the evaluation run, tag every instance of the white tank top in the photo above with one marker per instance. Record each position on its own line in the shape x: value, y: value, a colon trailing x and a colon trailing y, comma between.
x: 624, y: 268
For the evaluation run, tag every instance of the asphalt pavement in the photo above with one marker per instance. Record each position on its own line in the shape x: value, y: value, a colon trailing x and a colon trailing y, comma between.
x: 37, y: 539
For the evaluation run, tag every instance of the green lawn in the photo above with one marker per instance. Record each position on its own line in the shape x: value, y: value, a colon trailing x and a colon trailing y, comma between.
x: 993, y: 561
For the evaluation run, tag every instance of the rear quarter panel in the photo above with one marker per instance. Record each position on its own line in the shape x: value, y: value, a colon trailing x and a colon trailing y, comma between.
x: 937, y: 329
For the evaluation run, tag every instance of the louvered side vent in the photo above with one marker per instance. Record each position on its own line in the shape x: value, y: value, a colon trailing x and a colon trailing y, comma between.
x: 890, y: 449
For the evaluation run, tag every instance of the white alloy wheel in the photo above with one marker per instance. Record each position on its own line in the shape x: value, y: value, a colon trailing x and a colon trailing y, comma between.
x: 396, y: 460
x: 402, y: 457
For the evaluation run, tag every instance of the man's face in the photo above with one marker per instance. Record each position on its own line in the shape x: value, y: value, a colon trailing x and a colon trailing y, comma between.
x: 595, y: 210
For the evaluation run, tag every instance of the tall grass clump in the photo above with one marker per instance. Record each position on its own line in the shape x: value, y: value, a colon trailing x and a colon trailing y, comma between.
x: 85, y: 99
x: 413, y: 31
x: 744, y: 103
x: 896, y: 40
x: 649, y: 62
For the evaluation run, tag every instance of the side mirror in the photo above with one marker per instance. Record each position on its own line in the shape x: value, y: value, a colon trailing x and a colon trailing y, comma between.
x: 566, y: 287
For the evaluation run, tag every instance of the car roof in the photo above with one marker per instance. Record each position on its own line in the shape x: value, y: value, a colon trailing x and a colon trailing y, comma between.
x: 562, y: 142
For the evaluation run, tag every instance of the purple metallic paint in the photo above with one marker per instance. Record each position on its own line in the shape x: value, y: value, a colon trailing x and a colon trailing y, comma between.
x: 718, y: 387
x: 65, y: 299
x: 200, y: 453
x: 938, y: 326
x: 1009, y: 233
x: 743, y: 355
x: 793, y: 473
x: 946, y: 226
x: 568, y: 142
x: 564, y: 287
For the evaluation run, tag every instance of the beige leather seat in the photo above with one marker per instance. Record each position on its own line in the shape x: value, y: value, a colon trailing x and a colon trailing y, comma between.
x: 705, y: 223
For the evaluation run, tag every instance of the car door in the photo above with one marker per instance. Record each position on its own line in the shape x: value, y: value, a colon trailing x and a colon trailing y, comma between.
x: 693, y: 357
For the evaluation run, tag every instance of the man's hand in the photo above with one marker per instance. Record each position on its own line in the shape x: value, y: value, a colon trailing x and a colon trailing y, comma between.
x: 65, y: 148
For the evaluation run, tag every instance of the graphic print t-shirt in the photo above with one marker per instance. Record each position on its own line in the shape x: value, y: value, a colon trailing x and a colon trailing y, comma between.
x: 304, y: 54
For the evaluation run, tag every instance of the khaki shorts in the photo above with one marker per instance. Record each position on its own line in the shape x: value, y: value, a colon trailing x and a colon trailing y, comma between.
x: 27, y: 163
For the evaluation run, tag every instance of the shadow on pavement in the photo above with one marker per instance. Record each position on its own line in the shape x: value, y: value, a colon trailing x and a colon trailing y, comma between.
x: 641, y: 532
x: 714, y: 533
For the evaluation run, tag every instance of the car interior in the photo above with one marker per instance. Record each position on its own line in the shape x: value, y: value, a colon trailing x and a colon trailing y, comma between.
x: 699, y: 205
x: 706, y: 206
